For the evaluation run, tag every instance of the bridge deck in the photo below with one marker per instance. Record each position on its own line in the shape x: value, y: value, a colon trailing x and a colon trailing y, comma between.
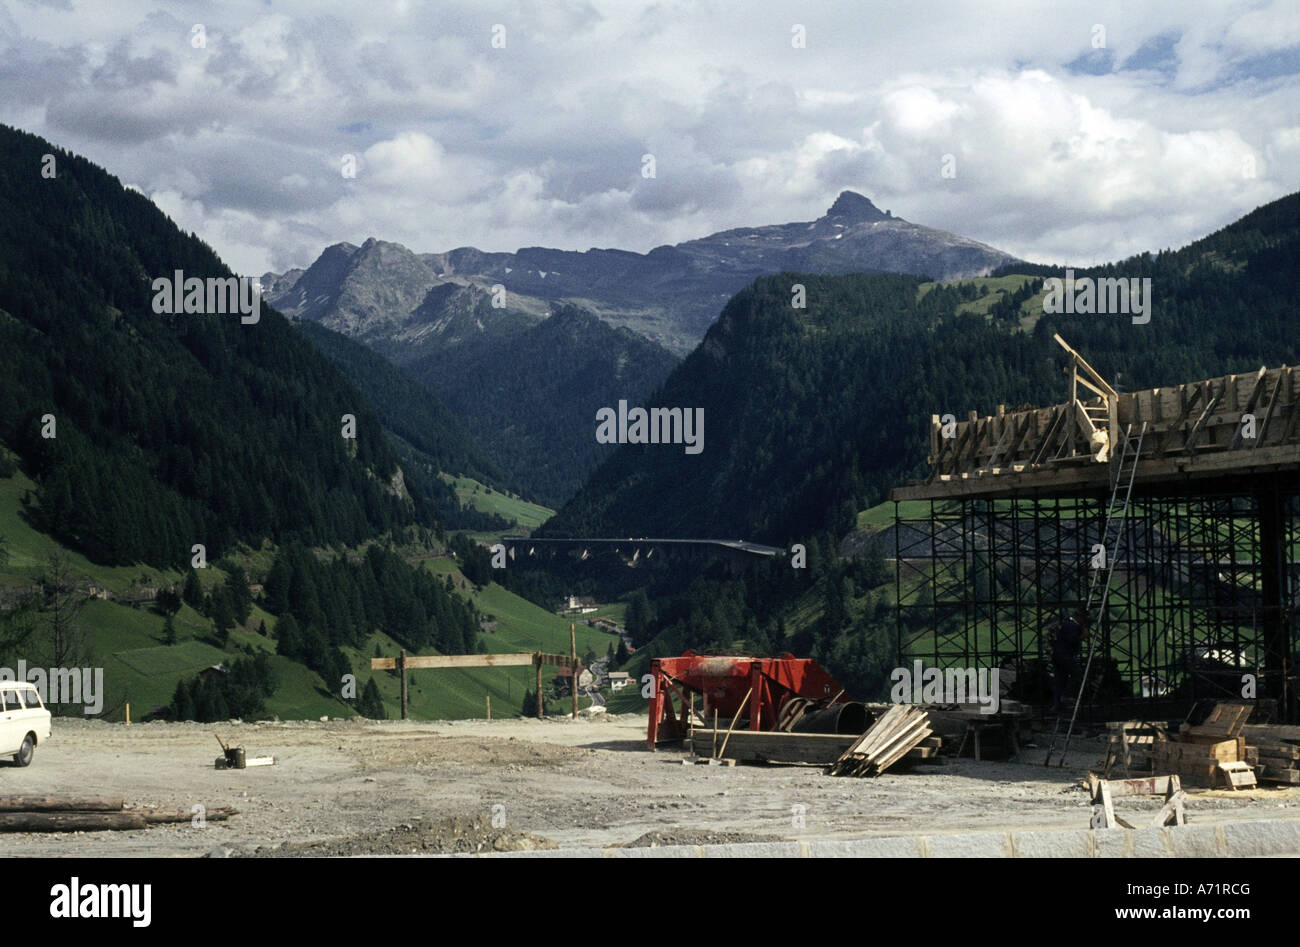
x: 1232, y: 426
x: 736, y: 545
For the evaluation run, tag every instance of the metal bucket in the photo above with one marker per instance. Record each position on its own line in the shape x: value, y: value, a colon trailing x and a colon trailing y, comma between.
x: 235, y: 757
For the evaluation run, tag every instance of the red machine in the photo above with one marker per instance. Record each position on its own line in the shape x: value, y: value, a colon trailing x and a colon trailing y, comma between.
x: 764, y: 690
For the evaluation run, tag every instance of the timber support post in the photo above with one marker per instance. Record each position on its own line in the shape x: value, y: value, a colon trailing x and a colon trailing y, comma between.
x: 401, y: 670
x: 573, y: 669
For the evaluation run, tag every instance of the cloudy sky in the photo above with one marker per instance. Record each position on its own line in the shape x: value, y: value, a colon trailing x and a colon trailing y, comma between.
x: 1075, y: 132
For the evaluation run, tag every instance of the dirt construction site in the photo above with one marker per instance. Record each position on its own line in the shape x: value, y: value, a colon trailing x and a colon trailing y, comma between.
x: 393, y: 788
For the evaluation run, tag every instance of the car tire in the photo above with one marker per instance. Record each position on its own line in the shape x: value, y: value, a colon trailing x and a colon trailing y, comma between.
x: 24, y: 756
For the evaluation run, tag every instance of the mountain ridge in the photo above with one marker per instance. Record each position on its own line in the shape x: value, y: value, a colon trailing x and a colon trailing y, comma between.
x: 670, y: 294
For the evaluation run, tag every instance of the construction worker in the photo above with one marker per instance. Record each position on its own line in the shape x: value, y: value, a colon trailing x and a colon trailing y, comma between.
x: 1065, y: 656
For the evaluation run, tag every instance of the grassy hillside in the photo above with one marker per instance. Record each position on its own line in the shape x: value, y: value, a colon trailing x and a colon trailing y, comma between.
x: 509, y: 506
x: 127, y: 642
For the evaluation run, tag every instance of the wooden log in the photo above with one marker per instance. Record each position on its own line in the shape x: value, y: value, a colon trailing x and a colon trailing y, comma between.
x: 160, y: 815
x: 70, y: 821
x: 61, y: 803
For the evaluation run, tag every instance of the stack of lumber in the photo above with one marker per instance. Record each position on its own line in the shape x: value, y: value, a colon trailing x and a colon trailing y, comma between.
x: 1274, y: 751
x: 927, y: 751
x: 1196, y: 751
x: 892, y: 737
x: 90, y: 814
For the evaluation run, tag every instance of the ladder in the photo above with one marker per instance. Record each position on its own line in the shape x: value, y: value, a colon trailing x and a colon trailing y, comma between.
x: 1099, y: 589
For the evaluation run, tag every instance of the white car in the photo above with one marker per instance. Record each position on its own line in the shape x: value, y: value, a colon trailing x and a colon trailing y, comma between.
x: 24, y: 721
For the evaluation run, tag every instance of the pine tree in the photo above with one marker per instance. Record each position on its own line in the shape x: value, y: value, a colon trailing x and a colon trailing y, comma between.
x: 169, y: 630
x: 182, y: 707
x: 241, y: 599
x: 223, y: 618
x: 288, y: 637
x: 193, y: 590
x: 371, y: 704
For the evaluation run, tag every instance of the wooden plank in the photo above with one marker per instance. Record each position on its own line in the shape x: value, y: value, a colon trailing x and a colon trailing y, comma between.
x: 455, y: 661
x: 61, y: 803
x: 882, y: 763
x: 1225, y: 751
x: 1230, y: 714
x: 1148, y: 786
x: 764, y: 746
x: 510, y: 659
x: 875, y: 733
x: 901, y: 729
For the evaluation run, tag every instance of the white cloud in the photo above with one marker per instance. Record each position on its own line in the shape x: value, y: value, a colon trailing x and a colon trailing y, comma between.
x: 540, y: 143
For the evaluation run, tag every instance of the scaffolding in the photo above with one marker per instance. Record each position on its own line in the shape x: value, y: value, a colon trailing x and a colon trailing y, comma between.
x: 1203, y: 600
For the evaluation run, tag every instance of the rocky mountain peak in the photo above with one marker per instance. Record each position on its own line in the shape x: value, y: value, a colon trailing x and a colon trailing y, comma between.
x: 852, y: 206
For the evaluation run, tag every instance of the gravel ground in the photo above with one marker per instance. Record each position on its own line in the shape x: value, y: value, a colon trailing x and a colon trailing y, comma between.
x: 399, y: 787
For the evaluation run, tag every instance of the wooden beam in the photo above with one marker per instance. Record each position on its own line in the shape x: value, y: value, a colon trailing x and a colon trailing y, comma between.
x: 776, y: 747
x: 401, y: 669
x: 1189, y: 445
x: 1084, y: 364
x: 1268, y: 415
x: 1063, y: 479
x: 1188, y: 403
x: 509, y: 659
x: 1053, y: 429
x: 1249, y: 407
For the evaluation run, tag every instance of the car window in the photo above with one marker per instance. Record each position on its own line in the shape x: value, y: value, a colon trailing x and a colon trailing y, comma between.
x: 10, y: 698
x: 32, y: 698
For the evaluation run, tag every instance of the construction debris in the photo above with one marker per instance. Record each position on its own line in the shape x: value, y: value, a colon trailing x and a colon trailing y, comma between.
x: 93, y: 814
x: 234, y: 757
x: 896, y: 733
x: 1225, y: 751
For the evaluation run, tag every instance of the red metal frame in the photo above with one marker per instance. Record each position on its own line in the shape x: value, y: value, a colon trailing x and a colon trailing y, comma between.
x: 723, y: 681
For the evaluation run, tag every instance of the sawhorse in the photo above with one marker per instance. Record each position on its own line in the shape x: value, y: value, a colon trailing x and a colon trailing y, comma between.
x: 1105, y: 791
